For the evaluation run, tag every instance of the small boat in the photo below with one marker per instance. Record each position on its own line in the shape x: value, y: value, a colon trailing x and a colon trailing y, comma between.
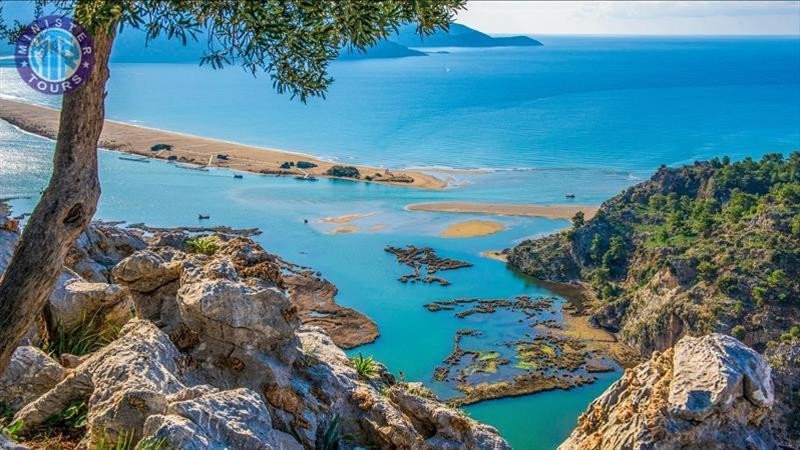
x: 238, y: 176
x: 203, y: 216
x: 306, y: 178
x: 131, y: 158
x: 569, y: 195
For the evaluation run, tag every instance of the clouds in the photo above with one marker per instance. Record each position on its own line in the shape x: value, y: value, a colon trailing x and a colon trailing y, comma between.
x: 635, y: 17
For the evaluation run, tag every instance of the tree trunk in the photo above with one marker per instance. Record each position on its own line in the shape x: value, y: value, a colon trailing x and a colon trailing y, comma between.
x: 65, y: 209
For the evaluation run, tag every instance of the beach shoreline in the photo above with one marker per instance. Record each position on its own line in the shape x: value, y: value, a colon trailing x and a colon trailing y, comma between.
x: 186, y: 148
x: 507, y: 209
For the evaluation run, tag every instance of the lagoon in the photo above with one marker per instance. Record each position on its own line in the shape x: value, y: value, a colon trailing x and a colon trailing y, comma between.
x: 584, y: 115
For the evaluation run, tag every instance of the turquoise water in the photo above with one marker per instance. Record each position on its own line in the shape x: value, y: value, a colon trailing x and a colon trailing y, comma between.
x: 585, y: 115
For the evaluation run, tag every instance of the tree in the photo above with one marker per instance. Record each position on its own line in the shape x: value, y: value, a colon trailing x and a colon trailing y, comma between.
x: 292, y: 41
x: 578, y: 220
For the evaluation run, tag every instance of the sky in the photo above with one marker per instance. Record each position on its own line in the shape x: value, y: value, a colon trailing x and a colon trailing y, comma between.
x: 634, y: 17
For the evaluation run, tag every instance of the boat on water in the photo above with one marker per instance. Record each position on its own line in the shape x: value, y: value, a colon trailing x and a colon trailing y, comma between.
x: 237, y: 175
x: 306, y: 178
x: 203, y: 216
x: 569, y: 195
x: 133, y: 158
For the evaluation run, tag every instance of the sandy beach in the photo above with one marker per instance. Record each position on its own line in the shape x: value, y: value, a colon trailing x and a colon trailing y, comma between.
x: 507, y: 209
x: 186, y: 148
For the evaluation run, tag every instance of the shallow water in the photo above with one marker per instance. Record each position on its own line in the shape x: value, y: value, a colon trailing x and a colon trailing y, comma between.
x: 584, y: 115
x: 412, y: 340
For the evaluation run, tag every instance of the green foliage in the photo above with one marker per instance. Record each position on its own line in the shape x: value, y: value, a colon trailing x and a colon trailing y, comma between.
x: 597, y: 249
x: 707, y: 270
x: 333, y: 437
x: 207, y: 245
x: 86, y: 337
x: 12, y: 430
x: 614, y: 257
x: 365, y: 366
x: 578, y: 220
x: 795, y: 225
x: 738, y: 332
x: 127, y: 441
x: 793, y: 335
x: 74, y: 416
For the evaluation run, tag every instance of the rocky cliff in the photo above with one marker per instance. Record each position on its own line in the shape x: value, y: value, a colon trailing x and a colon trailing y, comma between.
x: 713, y: 246
x: 709, y: 392
x: 211, y: 353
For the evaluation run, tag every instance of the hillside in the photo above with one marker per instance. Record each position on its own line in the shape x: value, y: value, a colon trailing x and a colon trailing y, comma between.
x: 714, y: 246
x: 459, y: 36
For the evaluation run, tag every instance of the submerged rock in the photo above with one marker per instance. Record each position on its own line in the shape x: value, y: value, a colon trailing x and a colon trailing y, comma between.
x: 708, y: 392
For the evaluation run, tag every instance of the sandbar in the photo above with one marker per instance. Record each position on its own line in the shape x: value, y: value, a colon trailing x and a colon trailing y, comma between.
x: 186, y: 148
x: 347, y: 218
x: 507, y: 209
x: 472, y: 228
x: 345, y: 229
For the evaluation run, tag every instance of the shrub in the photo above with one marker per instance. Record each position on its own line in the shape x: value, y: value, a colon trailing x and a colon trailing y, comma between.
x: 707, y: 270
x: 792, y: 335
x: 305, y: 165
x: 286, y: 165
x: 365, y: 366
x: 73, y: 416
x: 795, y: 226
x: 159, y: 147
x: 84, y: 338
x: 738, y: 332
x: 578, y: 220
x: 206, y: 245
x: 343, y: 171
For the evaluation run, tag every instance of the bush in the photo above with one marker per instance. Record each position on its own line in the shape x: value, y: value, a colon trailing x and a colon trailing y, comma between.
x: 578, y: 220
x: 343, y: 171
x: 86, y: 337
x: 159, y: 147
x: 738, y: 332
x: 707, y: 270
x: 286, y: 165
x: 206, y: 245
x: 305, y: 165
x: 365, y: 366
x: 793, y: 335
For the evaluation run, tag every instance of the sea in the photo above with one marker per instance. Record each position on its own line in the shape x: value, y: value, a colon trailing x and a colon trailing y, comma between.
x: 582, y: 114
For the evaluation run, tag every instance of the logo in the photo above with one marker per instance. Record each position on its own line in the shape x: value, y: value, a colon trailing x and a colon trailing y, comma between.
x: 54, y: 55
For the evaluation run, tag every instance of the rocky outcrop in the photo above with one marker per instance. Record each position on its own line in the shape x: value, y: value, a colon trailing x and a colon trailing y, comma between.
x: 30, y: 374
x: 77, y: 301
x: 217, y: 358
x: 784, y: 358
x: 196, y: 420
x: 709, y: 392
x: 314, y: 297
x: 100, y: 248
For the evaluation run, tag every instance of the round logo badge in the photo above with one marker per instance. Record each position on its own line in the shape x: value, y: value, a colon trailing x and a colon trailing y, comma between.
x: 54, y: 55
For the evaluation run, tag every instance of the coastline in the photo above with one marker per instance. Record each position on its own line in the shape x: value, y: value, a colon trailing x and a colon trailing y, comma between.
x: 138, y: 140
x: 507, y: 209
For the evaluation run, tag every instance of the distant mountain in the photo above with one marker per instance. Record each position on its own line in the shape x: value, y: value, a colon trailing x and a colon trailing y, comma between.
x: 459, y: 36
x: 129, y: 46
x: 382, y: 49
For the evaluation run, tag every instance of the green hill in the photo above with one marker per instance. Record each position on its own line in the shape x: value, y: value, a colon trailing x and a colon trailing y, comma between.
x: 713, y: 246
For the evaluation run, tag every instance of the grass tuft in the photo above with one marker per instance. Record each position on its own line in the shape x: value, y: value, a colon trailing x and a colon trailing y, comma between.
x: 206, y: 245
x: 365, y: 366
